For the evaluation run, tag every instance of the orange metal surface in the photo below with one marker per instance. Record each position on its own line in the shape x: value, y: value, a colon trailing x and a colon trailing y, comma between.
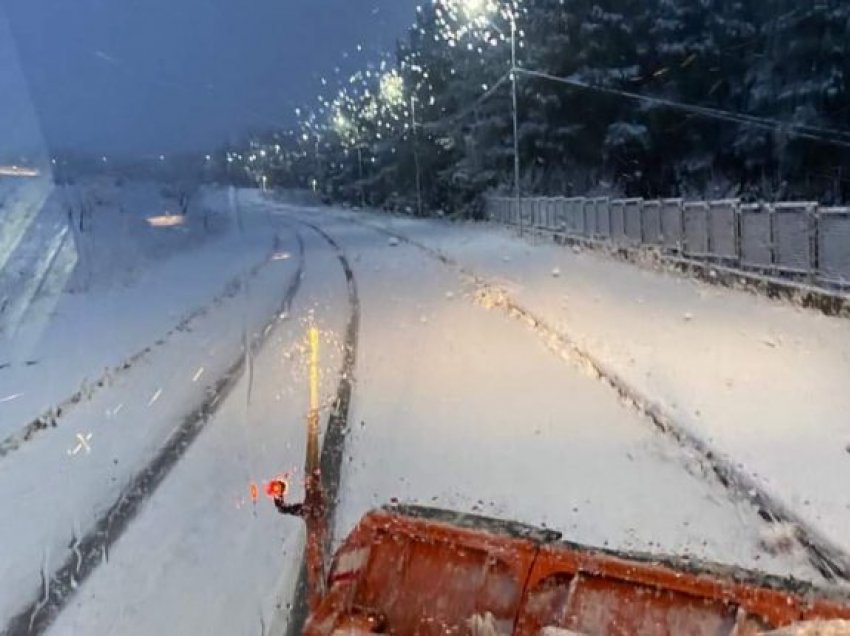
x: 417, y: 572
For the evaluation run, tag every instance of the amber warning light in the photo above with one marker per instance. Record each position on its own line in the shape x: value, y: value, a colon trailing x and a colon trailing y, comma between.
x: 277, y: 488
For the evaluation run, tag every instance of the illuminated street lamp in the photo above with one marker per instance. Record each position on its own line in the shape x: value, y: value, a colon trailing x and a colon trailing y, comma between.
x: 416, y: 155
x: 392, y: 93
x: 349, y: 133
x: 392, y: 89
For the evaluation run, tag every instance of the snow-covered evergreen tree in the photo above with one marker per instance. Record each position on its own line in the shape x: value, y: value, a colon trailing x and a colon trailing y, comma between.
x: 782, y: 60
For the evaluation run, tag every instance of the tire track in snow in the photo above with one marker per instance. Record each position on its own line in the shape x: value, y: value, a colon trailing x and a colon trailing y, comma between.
x: 93, y: 548
x: 52, y: 416
x: 333, y: 445
x: 829, y: 560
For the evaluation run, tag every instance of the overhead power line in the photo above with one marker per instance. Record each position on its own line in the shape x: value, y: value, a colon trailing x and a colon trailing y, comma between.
x: 816, y: 133
x: 451, y: 120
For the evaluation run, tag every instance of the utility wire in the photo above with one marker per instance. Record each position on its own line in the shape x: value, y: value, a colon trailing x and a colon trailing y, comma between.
x: 816, y: 133
x: 454, y: 118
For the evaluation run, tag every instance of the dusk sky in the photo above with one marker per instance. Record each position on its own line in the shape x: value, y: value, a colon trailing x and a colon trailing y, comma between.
x: 141, y: 77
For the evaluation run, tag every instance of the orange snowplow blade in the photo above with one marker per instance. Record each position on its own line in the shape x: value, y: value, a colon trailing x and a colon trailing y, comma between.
x: 418, y: 571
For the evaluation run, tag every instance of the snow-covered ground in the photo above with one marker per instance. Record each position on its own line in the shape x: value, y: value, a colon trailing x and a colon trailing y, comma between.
x: 455, y: 405
x: 133, y: 287
x: 202, y: 558
x: 763, y: 383
x: 118, y: 365
x: 463, y: 408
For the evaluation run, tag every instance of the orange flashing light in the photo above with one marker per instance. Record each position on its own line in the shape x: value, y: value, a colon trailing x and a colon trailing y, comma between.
x: 277, y: 488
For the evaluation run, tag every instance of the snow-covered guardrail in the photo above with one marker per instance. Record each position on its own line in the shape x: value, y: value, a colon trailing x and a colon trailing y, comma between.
x: 800, y: 241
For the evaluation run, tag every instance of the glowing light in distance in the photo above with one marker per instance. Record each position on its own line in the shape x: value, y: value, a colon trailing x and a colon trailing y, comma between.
x: 166, y: 220
x: 18, y: 171
x: 392, y: 89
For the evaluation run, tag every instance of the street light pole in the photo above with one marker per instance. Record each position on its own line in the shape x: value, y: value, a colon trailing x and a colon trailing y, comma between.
x: 416, y: 155
x: 516, y: 119
x: 318, y: 162
x: 362, y: 185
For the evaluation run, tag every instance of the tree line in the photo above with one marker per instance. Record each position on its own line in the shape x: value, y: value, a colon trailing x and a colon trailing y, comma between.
x: 699, y: 98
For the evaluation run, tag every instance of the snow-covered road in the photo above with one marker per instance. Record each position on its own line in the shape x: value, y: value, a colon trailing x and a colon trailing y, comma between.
x: 455, y: 405
x: 758, y: 385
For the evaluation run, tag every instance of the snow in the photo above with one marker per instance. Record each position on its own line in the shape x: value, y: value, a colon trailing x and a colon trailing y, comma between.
x: 621, y: 133
x: 214, y: 562
x: 761, y: 382
x: 148, y: 283
x: 814, y: 628
x: 457, y: 403
x: 489, y: 421
x: 53, y: 485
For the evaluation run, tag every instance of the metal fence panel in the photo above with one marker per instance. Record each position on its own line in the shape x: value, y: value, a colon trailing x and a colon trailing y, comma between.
x: 564, y: 216
x: 723, y: 228
x: 672, y: 223
x: 696, y: 229
x: 578, y: 216
x: 571, y: 215
x: 566, y: 206
x: 756, y: 239
x: 834, y: 244
x: 587, y: 217
x: 590, y: 218
x: 600, y: 209
x: 555, y: 213
x: 526, y: 212
x: 603, y: 218
x: 652, y: 234
x: 632, y: 220
x: 551, y: 211
x: 618, y: 220
x: 792, y: 236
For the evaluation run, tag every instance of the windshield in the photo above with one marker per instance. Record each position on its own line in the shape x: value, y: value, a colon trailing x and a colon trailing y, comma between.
x: 582, y: 266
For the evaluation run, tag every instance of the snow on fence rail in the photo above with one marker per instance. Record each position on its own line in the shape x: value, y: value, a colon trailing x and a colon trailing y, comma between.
x: 798, y: 240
